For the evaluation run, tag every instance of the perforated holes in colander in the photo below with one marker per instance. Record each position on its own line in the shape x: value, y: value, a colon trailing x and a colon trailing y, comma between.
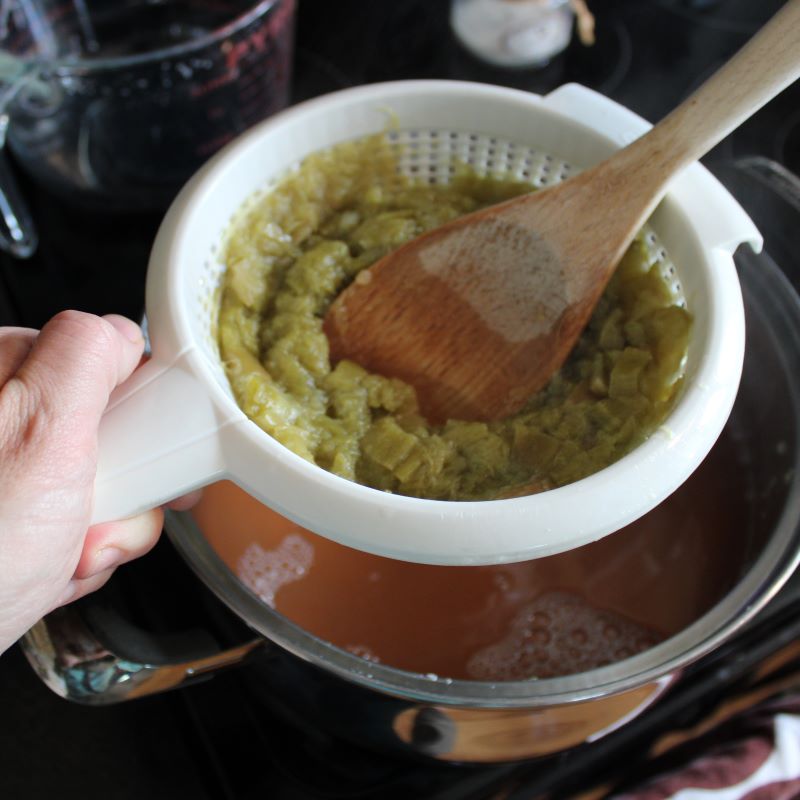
x: 433, y: 155
x: 657, y: 254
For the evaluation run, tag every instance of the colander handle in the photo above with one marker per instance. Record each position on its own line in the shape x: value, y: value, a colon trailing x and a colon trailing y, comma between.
x: 151, y: 451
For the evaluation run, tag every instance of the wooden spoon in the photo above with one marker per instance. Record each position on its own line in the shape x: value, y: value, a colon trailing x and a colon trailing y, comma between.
x: 478, y: 315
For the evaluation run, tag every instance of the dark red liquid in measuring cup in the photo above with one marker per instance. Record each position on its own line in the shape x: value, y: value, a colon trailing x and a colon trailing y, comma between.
x: 127, y: 29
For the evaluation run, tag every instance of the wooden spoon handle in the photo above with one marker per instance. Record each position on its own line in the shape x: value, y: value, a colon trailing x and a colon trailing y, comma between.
x: 768, y: 63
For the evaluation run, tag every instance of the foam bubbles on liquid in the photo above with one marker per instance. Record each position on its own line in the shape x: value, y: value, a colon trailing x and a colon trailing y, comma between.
x: 559, y: 633
x: 363, y: 651
x: 265, y: 571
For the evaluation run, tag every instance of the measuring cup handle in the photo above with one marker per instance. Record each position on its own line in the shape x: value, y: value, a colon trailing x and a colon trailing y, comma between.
x: 158, y: 439
x: 18, y: 234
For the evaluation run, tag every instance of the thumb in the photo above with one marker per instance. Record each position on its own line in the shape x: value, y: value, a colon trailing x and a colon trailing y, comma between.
x: 76, y: 362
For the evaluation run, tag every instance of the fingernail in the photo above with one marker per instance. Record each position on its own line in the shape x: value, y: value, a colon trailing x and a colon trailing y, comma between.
x: 106, y: 558
x: 129, y: 329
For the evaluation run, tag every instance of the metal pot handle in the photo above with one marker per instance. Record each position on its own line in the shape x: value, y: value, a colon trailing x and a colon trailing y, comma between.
x: 68, y: 650
x: 18, y: 234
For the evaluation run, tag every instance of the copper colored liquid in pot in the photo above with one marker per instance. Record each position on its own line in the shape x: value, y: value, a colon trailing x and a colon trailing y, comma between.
x: 553, y: 616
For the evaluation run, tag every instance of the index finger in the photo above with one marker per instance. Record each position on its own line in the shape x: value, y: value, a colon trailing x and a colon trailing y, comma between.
x: 77, y: 360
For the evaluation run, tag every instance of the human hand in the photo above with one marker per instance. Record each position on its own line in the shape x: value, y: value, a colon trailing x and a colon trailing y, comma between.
x: 54, y: 388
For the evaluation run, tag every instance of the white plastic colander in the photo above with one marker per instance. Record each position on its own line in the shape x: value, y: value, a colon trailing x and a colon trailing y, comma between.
x: 175, y: 425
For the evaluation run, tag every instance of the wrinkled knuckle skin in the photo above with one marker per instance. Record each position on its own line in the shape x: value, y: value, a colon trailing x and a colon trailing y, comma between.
x: 17, y: 416
x: 95, y: 331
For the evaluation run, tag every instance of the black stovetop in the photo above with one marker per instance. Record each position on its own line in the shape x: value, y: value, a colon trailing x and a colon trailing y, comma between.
x: 208, y: 741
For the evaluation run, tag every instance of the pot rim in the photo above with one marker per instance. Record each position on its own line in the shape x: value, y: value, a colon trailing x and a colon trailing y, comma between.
x: 762, y: 581
x: 758, y: 585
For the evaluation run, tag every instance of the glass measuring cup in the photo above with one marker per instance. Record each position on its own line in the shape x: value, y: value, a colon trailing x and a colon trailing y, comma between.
x: 112, y: 105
